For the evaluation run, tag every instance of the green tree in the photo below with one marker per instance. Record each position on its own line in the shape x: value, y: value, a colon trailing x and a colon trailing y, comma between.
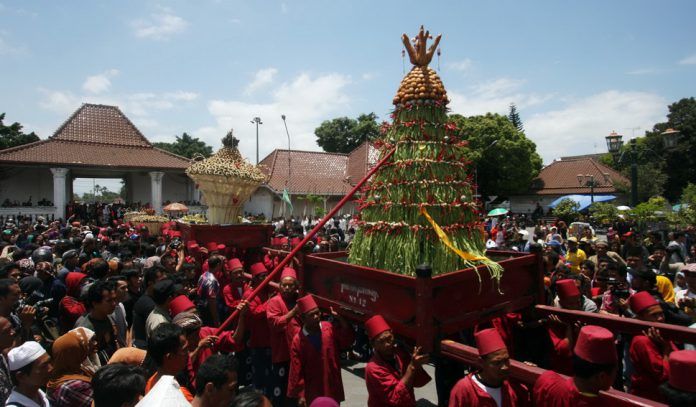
x: 651, y: 180
x: 688, y: 195
x: 12, y: 135
x: 514, y: 118
x: 506, y: 167
x: 650, y: 211
x: 343, y: 134
x: 187, y: 146
x: 567, y: 210
x: 604, y: 213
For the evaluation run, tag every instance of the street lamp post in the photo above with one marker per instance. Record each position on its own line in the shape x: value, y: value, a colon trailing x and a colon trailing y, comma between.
x: 257, y: 121
x: 588, y: 180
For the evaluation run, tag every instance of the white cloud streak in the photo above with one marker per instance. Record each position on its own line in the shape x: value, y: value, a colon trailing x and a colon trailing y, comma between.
x: 690, y: 60
x: 160, y: 26
x: 99, y: 83
x: 262, y: 78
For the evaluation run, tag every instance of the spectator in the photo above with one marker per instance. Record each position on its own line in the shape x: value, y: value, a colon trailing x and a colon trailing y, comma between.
x: 574, y: 256
x: 9, y: 298
x: 216, y: 382
x: 101, y: 300
x: 119, y: 315
x: 7, y: 338
x: 209, y: 291
x: 162, y: 294
x: 70, y: 384
x: 118, y: 386
x: 70, y: 307
x: 144, y: 306
x: 602, y: 248
x: 645, y: 280
x: 252, y: 398
x: 167, y: 348
x: 30, y: 367
x: 134, y: 278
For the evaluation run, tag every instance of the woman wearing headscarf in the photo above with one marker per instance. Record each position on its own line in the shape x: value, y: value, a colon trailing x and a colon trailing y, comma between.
x: 70, y: 384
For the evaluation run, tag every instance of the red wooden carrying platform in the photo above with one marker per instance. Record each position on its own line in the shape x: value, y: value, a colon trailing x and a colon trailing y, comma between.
x: 243, y: 236
x: 424, y: 308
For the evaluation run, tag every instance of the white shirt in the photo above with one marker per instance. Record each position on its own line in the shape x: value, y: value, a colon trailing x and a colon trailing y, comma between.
x: 494, y: 392
x: 683, y: 294
x: 21, y: 399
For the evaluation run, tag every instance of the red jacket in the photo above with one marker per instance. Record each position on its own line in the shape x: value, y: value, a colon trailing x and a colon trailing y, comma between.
x: 283, y: 329
x: 233, y: 294
x: 552, y: 390
x: 317, y: 372
x: 259, y: 332
x: 467, y: 393
x: 562, y: 355
x: 650, y: 368
x: 383, y: 380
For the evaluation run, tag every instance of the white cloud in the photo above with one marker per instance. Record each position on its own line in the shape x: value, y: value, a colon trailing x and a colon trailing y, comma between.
x: 461, y: 66
x: 160, y: 26
x: 582, y: 124
x: 690, y: 60
x: 642, y: 71
x: 262, y: 78
x: 306, y: 101
x: 99, y: 83
x: 494, y: 96
x: 7, y: 49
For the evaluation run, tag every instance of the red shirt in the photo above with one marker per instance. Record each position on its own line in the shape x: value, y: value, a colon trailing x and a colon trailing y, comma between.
x: 552, y: 390
x: 467, y: 393
x: 383, y: 380
x: 650, y: 368
x: 562, y: 355
x: 259, y: 332
x: 316, y: 372
x: 283, y: 329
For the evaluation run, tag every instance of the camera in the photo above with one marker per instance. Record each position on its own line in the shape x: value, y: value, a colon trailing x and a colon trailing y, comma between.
x: 36, y: 300
x: 618, y: 288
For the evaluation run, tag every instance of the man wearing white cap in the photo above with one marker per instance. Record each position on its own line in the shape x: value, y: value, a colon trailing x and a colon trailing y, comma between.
x: 31, y: 367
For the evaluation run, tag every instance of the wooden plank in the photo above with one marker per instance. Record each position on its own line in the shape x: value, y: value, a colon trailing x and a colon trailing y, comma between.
x: 614, y: 323
x: 529, y: 374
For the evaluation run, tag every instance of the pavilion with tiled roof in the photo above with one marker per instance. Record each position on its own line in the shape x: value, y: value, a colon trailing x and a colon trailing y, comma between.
x: 97, y: 141
x: 568, y: 176
x: 328, y: 176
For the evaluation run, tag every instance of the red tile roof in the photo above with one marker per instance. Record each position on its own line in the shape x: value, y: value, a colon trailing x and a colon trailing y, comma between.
x: 561, y: 177
x: 95, y: 136
x: 360, y: 161
x: 312, y: 172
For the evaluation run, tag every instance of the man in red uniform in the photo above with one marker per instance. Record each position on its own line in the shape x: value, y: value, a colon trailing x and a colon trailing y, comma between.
x: 314, y: 355
x: 595, y: 366
x: 234, y: 291
x: 489, y: 386
x: 259, y: 332
x: 680, y: 389
x: 391, y: 374
x: 649, y: 352
x: 284, y: 322
x: 561, y: 333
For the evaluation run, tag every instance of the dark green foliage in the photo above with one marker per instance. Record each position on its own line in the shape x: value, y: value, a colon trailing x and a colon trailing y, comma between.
x: 514, y: 118
x: 187, y: 146
x: 343, y: 134
x: 12, y: 135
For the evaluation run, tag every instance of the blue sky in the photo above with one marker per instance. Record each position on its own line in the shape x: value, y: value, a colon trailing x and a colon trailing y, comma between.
x: 576, y: 70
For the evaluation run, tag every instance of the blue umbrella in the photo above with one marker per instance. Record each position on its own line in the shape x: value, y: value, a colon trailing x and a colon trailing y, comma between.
x: 583, y: 200
x: 678, y: 207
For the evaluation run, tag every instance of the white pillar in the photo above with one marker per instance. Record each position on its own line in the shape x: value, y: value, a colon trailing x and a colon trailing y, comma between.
x: 156, y: 190
x: 59, y: 191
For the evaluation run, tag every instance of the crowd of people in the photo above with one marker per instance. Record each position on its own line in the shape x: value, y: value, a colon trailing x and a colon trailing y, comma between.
x: 115, y: 314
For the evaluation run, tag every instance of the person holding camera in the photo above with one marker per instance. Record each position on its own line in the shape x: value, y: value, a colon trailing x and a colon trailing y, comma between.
x: 21, y: 316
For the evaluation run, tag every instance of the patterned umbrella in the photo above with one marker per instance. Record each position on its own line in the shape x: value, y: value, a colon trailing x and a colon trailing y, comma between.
x: 175, y: 207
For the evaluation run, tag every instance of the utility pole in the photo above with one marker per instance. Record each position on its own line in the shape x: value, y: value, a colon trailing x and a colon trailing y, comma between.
x: 257, y: 121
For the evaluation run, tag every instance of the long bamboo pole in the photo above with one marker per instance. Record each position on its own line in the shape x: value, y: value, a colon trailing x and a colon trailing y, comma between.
x: 307, y: 238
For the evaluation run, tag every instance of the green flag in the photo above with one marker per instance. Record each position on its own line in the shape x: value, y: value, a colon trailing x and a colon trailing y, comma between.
x: 286, y: 199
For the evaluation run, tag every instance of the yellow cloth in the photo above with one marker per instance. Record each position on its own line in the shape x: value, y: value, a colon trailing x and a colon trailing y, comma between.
x: 445, y: 240
x: 665, y: 288
x: 575, y: 260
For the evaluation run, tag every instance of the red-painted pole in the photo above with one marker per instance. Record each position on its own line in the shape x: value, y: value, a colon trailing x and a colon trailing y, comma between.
x: 307, y: 238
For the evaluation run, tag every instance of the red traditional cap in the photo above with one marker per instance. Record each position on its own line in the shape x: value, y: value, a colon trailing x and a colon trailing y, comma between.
x: 306, y: 304
x: 180, y: 304
x: 295, y: 241
x: 211, y: 246
x: 283, y: 241
x: 567, y: 289
x: 221, y: 247
x: 174, y: 233
x: 257, y: 268
x: 288, y: 272
x: 488, y: 341
x: 275, y: 241
x: 375, y: 326
x: 234, y: 264
x: 628, y: 234
x: 596, y: 345
x: 682, y: 370
x: 641, y: 301
x: 192, y: 244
